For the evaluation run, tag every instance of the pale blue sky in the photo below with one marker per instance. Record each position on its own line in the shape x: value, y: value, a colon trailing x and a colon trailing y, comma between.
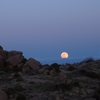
x: 44, y: 28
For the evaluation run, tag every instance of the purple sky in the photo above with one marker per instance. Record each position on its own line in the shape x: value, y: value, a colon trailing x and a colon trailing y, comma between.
x: 42, y: 29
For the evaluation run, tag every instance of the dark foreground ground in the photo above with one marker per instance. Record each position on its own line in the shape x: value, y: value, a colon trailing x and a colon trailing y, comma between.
x: 28, y: 79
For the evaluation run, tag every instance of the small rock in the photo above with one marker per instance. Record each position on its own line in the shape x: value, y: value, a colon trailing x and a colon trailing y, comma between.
x: 21, y: 97
x: 3, y: 95
x: 90, y: 99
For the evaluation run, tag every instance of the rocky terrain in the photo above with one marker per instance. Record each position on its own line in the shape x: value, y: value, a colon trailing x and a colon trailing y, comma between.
x: 28, y: 79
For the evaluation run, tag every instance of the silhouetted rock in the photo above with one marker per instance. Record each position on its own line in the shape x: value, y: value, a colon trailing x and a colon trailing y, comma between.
x: 14, y: 60
x: 25, y: 79
x: 31, y: 65
x: 1, y: 48
x: 56, y: 67
x: 71, y: 67
x: 14, y: 53
x: 2, y: 61
x: 87, y: 60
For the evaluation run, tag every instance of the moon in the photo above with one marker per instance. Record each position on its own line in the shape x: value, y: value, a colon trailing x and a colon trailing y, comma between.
x: 64, y: 55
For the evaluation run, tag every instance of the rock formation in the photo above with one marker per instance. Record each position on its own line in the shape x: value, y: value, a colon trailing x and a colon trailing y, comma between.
x: 22, y: 79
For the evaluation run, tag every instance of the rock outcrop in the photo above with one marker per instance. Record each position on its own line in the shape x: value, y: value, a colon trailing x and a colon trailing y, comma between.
x: 31, y: 65
x: 15, y: 60
x: 28, y: 79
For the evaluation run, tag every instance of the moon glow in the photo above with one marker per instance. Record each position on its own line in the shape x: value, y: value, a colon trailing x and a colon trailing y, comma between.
x: 64, y: 55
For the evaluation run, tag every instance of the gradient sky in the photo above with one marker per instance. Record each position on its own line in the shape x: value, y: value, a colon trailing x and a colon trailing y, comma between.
x: 42, y: 29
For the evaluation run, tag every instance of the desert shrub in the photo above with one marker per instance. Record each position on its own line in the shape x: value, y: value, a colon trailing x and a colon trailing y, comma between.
x: 21, y: 97
x: 71, y: 68
x: 97, y: 94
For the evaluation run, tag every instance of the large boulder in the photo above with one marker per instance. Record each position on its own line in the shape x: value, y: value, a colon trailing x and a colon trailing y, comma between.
x: 15, y: 60
x: 31, y: 64
x: 54, y: 69
x: 13, y: 53
x: 90, y: 69
x: 3, y: 95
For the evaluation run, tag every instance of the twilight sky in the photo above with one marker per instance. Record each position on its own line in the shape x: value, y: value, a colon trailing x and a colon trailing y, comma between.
x: 42, y: 29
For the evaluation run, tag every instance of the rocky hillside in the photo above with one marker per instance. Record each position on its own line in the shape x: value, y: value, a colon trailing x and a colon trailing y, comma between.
x: 28, y: 79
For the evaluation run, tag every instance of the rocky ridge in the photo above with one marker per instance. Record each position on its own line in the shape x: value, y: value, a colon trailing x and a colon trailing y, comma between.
x: 28, y: 79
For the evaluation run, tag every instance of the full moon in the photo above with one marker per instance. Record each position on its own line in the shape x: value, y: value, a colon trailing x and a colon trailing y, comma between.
x: 64, y: 55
